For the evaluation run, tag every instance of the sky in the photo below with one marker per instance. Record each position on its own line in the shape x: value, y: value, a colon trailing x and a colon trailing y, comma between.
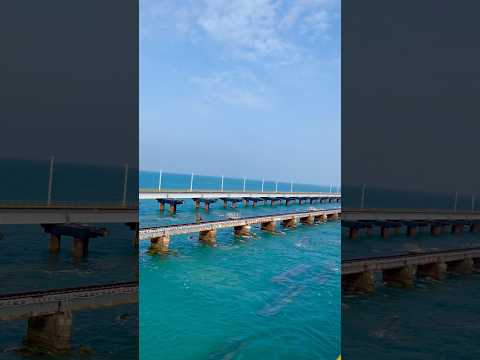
x: 242, y: 88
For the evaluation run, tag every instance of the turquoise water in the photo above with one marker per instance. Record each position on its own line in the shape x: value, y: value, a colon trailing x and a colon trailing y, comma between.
x: 271, y: 296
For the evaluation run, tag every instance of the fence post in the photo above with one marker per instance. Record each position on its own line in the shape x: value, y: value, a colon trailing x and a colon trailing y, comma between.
x: 50, y: 181
x: 191, y: 183
x: 362, y: 201
x: 455, y: 203
x: 222, y: 183
x: 244, y: 183
x: 160, y: 181
x: 125, y: 183
x: 263, y: 182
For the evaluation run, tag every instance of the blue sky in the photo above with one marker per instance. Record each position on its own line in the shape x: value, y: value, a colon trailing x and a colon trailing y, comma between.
x: 241, y: 88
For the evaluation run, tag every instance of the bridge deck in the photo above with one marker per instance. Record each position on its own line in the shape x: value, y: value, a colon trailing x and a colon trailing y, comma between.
x: 34, y: 213
x: 151, y: 232
x: 354, y: 266
x: 25, y: 305
x: 205, y: 194
x: 408, y: 214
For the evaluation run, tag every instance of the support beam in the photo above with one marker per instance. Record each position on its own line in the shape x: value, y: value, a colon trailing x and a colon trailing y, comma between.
x: 49, y: 333
x: 159, y: 245
x: 358, y: 283
x: 399, y: 277
x: 208, y: 237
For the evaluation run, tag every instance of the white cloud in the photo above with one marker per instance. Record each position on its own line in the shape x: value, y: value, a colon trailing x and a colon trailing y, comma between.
x: 237, y: 88
x: 248, y: 29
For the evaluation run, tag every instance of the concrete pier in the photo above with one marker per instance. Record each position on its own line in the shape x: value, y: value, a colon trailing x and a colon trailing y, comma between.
x: 399, y: 277
x: 49, y: 333
x: 308, y: 220
x: 434, y: 270
x: 289, y: 223
x: 361, y: 282
x: 268, y: 226
x: 172, y: 205
x: 159, y: 245
x: 54, y: 243
x: 208, y: 237
x: 242, y: 230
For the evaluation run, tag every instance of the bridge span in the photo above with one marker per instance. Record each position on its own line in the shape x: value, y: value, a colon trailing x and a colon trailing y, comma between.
x: 174, y: 198
x: 401, y: 270
x: 49, y: 312
x: 160, y: 236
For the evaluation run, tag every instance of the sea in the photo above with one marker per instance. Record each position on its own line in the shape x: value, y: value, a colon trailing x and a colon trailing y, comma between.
x: 269, y: 296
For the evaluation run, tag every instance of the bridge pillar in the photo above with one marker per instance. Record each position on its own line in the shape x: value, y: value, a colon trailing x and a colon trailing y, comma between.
x: 400, y: 277
x: 333, y: 217
x: 197, y: 203
x: 289, y: 223
x: 54, y: 243
x: 268, y: 226
x: 207, y: 206
x: 309, y: 220
x: 208, y: 237
x: 49, y: 333
x: 435, y: 270
x: 352, y: 232
x: 225, y: 203
x: 464, y: 266
x: 474, y: 228
x: 243, y: 230
x: 397, y: 230
x: 162, y: 206
x: 234, y: 204
x: 358, y: 283
x: 384, y: 232
x: 321, y: 218
x: 159, y: 245
x: 80, y: 246
x: 254, y: 203
x: 435, y: 230
x: 457, y: 228
x: 411, y: 230
x: 172, y: 208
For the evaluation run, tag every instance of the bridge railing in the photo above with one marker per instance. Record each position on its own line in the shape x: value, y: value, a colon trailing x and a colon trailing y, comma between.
x: 370, y: 197
x: 52, y: 182
x: 162, y: 181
